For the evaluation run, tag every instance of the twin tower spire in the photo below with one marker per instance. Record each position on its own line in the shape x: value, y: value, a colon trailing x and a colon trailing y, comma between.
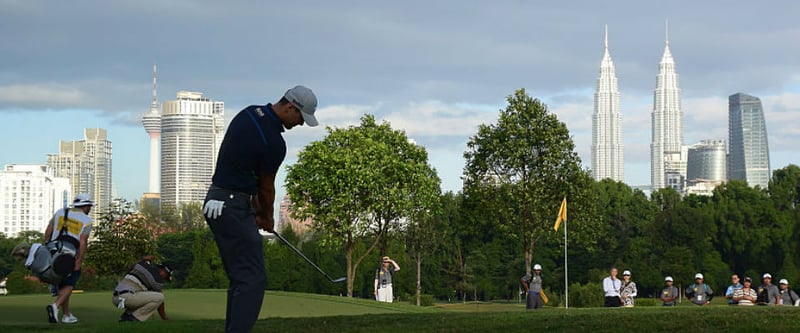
x: 667, y: 132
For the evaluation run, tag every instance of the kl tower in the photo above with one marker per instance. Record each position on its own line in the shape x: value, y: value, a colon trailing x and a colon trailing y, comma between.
x: 152, y: 124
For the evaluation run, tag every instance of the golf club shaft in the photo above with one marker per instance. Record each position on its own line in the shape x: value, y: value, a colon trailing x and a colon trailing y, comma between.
x: 302, y: 255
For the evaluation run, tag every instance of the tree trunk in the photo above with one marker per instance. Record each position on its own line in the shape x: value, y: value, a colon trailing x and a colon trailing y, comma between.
x: 528, y: 256
x: 419, y: 286
x: 350, y: 270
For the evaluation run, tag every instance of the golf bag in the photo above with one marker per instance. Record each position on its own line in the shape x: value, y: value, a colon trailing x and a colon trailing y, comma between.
x: 63, y: 251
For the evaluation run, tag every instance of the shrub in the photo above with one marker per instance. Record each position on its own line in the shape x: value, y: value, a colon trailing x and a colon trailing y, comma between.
x: 588, y: 295
x: 424, y: 300
x: 647, y: 301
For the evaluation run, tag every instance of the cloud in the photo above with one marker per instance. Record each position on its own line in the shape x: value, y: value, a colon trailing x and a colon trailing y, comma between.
x: 43, y: 95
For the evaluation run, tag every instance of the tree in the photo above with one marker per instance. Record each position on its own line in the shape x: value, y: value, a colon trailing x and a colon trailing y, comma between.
x: 424, y: 234
x: 121, y: 238
x: 521, y: 167
x: 360, y: 183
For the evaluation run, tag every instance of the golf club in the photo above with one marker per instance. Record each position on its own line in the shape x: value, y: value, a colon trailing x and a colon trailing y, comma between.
x: 341, y: 279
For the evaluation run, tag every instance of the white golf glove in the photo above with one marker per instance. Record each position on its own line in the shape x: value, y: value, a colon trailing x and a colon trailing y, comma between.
x: 213, y: 208
x: 121, y: 304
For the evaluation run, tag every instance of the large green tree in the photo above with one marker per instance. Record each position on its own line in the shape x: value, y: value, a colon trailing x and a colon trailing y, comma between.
x: 521, y: 167
x: 120, y: 238
x: 360, y: 183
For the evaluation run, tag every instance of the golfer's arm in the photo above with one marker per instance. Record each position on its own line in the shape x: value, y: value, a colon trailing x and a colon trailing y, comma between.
x: 375, y: 287
x: 396, y: 267
x: 524, y: 284
x: 266, y: 195
x: 82, y: 251
x: 162, y: 312
x: 48, y: 233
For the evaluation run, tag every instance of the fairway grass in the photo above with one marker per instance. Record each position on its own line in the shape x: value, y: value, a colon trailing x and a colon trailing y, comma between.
x: 203, y: 311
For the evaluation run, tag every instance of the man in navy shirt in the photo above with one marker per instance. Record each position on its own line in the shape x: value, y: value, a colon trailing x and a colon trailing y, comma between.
x: 242, y: 194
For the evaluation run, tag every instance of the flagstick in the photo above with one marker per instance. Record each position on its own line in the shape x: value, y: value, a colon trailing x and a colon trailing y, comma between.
x: 566, y: 271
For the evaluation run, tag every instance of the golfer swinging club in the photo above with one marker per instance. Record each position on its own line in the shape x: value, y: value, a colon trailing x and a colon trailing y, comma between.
x: 242, y: 194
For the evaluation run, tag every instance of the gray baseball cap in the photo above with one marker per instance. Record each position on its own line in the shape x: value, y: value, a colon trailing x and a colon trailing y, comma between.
x: 305, y: 100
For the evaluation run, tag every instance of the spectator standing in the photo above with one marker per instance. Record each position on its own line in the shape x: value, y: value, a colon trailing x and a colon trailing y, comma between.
x: 611, y: 287
x: 628, y: 291
x: 532, y: 283
x: 669, y: 294
x: 768, y: 293
x: 788, y: 296
x: 745, y: 296
x: 734, y: 285
x: 699, y: 291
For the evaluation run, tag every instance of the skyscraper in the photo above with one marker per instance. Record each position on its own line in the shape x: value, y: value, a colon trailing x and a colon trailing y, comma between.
x: 191, y: 132
x: 152, y: 124
x: 706, y: 166
x: 29, y: 194
x: 667, y: 163
x: 607, y: 148
x: 87, y: 165
x: 747, y: 131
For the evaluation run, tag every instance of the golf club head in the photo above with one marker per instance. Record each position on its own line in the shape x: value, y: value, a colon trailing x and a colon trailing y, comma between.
x: 341, y: 279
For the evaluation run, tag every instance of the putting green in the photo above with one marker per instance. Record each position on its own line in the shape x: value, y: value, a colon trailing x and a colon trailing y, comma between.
x: 195, y: 304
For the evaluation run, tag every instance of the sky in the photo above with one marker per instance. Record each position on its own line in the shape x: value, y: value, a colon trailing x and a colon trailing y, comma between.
x: 434, y: 69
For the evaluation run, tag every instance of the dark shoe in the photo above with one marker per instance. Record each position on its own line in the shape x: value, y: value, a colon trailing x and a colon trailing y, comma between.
x: 127, y: 317
x: 52, y: 313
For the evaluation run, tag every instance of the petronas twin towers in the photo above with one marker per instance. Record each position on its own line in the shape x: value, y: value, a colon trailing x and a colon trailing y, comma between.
x: 668, y: 163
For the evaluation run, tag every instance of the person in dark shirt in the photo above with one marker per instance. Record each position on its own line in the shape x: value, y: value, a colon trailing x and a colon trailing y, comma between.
x: 141, y: 290
x: 242, y: 194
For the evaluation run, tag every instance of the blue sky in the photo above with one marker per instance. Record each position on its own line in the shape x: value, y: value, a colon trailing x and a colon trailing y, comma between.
x: 434, y: 69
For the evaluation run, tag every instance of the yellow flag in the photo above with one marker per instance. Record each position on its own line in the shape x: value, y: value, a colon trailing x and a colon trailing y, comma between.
x: 544, y: 297
x: 562, y: 214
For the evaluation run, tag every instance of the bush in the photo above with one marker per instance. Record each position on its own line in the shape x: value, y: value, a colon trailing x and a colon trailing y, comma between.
x: 647, y: 301
x: 17, y: 284
x: 585, y: 296
x: 424, y: 300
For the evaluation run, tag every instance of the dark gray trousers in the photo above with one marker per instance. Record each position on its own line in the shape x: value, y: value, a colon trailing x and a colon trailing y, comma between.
x: 241, y: 248
x: 533, y: 301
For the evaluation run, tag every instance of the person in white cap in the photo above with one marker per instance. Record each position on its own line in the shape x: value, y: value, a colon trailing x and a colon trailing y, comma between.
x: 628, y: 291
x: 241, y: 197
x: 669, y: 294
x: 532, y: 284
x: 699, y: 291
x: 768, y: 293
x: 70, y: 224
x: 788, y: 296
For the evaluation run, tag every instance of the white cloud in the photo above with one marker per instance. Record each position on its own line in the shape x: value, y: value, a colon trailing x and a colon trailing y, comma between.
x: 49, y: 95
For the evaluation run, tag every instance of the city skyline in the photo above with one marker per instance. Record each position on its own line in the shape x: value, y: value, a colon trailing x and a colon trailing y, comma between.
x: 454, y: 73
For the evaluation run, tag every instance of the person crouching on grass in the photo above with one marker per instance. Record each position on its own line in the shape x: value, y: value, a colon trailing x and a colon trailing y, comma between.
x: 141, y: 291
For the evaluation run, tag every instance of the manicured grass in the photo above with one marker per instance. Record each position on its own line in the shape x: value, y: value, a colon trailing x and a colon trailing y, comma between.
x: 203, y: 311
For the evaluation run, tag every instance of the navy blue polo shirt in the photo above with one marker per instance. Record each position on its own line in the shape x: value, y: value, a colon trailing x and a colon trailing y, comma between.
x: 248, y: 148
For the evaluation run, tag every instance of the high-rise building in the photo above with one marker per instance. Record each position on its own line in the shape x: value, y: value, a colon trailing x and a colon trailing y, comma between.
x: 747, y: 132
x: 29, y: 194
x: 706, y: 166
x: 191, y: 131
x: 285, y: 218
x: 87, y: 165
x: 667, y: 161
x: 607, y: 147
x: 152, y: 124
